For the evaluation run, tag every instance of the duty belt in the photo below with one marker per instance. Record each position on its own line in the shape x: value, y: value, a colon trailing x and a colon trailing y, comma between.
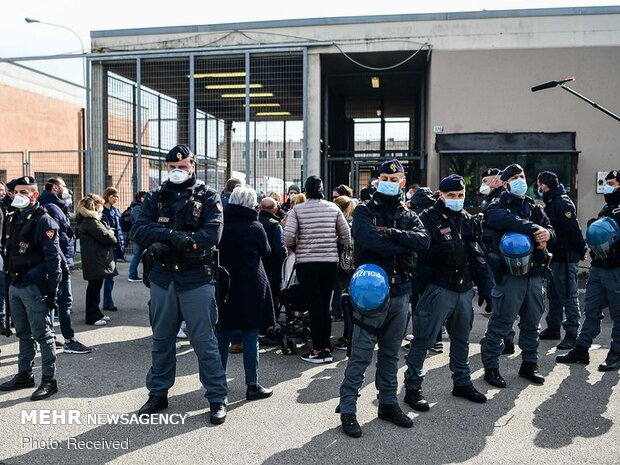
x: 183, y: 266
x: 398, y: 279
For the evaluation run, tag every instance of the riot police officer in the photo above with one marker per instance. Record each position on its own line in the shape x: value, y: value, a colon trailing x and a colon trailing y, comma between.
x: 388, y: 235
x: 603, y: 286
x: 455, y: 260
x: 569, y: 247
x: 180, y: 223
x: 516, y: 295
x: 491, y: 187
x: 33, y: 268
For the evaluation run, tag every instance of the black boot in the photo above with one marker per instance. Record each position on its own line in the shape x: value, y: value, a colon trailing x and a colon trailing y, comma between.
x: 568, y: 342
x: 350, y: 426
x: 509, y: 348
x: 218, y: 413
x: 21, y: 380
x: 549, y: 335
x: 256, y: 392
x: 579, y: 354
x: 530, y: 372
x: 154, y: 404
x: 612, y: 362
x: 393, y: 414
x: 493, y: 377
x: 47, y: 388
x: 470, y: 393
x: 415, y: 400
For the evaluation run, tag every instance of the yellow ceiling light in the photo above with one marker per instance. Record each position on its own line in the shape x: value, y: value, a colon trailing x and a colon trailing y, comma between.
x: 255, y: 94
x: 231, y: 86
x: 273, y: 113
x: 230, y: 74
x: 374, y: 82
x: 256, y: 105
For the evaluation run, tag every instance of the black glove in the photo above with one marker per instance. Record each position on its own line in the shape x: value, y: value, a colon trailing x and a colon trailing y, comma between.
x: 182, y: 242
x: 64, y: 270
x: 51, y: 301
x: 159, y: 250
x: 485, y: 298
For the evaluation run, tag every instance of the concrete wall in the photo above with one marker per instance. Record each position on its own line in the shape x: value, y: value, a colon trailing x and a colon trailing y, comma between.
x: 489, y: 91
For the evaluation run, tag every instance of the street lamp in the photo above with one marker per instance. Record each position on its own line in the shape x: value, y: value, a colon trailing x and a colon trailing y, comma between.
x: 32, y: 21
x: 87, y: 161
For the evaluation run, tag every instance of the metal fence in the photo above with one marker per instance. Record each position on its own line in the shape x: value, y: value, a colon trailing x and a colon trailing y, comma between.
x: 241, y: 113
x: 44, y: 164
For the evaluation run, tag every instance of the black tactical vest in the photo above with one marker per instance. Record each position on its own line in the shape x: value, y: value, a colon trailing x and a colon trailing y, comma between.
x: 24, y: 252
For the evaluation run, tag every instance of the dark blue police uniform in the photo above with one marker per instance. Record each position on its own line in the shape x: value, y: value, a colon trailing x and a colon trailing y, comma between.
x: 33, y: 268
x: 171, y: 220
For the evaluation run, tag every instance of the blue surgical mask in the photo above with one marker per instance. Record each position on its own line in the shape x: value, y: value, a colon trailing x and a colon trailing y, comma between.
x: 454, y: 204
x: 607, y: 189
x: 389, y: 188
x: 518, y: 186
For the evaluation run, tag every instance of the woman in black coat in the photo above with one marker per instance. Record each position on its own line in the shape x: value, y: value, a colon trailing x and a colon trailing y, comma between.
x: 249, y: 306
x: 97, y: 241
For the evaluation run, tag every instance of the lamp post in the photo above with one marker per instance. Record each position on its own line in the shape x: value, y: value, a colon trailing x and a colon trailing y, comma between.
x: 87, y: 162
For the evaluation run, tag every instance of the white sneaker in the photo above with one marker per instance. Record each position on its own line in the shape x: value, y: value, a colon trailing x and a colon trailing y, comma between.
x: 409, y: 337
x: 106, y: 318
x: 101, y: 322
x: 181, y: 334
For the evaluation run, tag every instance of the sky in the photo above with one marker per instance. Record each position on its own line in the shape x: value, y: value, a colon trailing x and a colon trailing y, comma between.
x: 19, y: 39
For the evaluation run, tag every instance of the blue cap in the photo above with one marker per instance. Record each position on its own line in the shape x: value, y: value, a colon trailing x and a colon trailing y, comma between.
x: 179, y: 153
x: 391, y: 167
x: 510, y: 171
x: 453, y: 182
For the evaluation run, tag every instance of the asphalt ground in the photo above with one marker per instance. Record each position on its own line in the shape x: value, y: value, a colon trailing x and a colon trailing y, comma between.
x: 573, y: 418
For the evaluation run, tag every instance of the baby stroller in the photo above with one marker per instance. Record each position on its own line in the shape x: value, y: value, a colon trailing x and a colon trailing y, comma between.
x: 294, y: 322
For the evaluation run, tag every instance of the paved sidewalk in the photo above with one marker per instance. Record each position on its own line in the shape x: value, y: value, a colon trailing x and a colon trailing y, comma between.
x: 573, y: 418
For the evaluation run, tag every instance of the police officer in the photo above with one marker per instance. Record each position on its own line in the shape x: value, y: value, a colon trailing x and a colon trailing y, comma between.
x: 388, y: 235
x: 491, y: 187
x: 33, y: 268
x: 180, y: 223
x: 603, y: 286
x: 569, y: 247
x: 514, y: 296
x: 455, y: 260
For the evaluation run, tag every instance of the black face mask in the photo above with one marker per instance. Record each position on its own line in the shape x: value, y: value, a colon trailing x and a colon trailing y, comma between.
x: 613, y: 198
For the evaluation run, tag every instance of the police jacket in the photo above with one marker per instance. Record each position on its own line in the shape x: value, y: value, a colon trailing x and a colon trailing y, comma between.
x: 487, y: 234
x: 455, y: 259
x: 389, y: 235
x: 191, y: 208
x: 611, y: 209
x: 569, y: 245
x: 422, y: 199
x: 57, y: 209
x: 511, y: 213
x: 32, y: 249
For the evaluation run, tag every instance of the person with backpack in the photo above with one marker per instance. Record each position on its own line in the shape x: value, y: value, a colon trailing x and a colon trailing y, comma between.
x: 127, y: 218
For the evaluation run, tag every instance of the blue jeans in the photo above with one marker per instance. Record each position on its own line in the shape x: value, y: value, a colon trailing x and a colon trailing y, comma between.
x: 108, y: 287
x: 437, y: 305
x: 389, y: 337
x: 135, y: 261
x: 65, y: 302
x: 249, y: 337
x: 563, y: 298
x: 33, y: 324
x: 602, y: 290
x: 167, y: 310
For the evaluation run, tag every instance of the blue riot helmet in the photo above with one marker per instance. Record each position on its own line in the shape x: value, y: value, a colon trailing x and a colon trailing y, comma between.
x: 601, y: 235
x: 517, y: 249
x: 369, y: 290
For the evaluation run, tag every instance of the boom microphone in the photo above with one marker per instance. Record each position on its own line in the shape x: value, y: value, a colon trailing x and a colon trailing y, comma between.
x: 550, y: 84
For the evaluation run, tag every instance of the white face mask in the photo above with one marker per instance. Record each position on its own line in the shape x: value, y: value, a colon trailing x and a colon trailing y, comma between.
x: 408, y: 195
x: 20, y: 201
x: 65, y: 194
x: 485, y: 189
x: 178, y: 176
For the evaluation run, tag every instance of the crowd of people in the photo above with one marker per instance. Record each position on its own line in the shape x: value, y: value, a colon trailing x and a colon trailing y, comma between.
x: 390, y: 258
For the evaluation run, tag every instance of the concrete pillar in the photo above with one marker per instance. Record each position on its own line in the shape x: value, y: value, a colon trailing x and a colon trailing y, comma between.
x: 314, y: 115
x: 98, y: 163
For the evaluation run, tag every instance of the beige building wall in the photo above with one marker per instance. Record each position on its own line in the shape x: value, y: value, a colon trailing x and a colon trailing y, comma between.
x: 489, y: 91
